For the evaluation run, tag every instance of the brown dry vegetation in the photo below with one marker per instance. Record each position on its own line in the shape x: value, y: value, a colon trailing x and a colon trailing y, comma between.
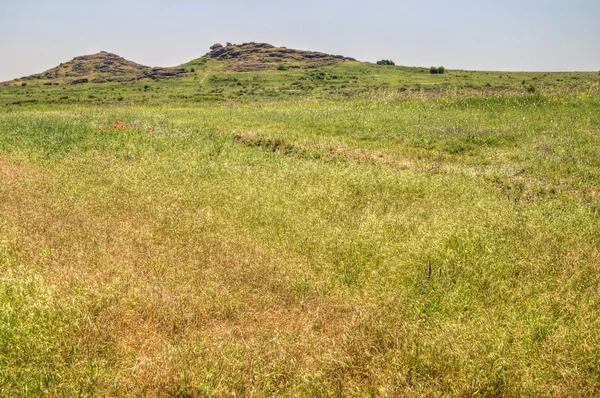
x: 304, y: 151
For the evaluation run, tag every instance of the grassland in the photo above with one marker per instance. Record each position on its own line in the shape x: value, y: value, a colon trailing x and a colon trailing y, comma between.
x: 406, y: 234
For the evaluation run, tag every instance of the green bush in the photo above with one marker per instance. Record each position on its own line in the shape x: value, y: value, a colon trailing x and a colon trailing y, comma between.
x: 24, y: 84
x: 282, y: 67
x: 437, y: 71
x: 386, y: 62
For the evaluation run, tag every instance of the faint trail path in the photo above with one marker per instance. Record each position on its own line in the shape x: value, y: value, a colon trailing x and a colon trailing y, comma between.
x: 204, y: 78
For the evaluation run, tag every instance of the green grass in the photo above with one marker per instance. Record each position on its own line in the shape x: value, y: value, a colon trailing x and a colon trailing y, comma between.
x: 280, y: 246
x: 349, y: 80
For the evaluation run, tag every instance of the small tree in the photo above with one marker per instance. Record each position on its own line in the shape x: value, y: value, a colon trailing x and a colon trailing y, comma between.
x: 386, y: 62
x: 433, y: 70
x: 441, y: 70
x: 192, y: 70
x: 24, y: 84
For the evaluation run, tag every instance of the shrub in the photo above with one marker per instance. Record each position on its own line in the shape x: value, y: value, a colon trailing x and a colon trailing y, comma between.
x: 282, y: 67
x: 439, y: 70
x: 530, y: 88
x: 386, y: 62
x: 24, y: 84
x: 192, y: 70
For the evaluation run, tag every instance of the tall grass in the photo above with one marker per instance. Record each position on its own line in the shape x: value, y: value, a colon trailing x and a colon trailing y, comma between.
x: 294, y: 261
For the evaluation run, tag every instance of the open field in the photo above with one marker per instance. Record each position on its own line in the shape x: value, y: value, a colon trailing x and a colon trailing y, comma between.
x: 377, y: 239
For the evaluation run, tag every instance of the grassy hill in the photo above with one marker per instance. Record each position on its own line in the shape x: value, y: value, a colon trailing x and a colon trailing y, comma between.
x: 342, y: 230
x: 102, y: 67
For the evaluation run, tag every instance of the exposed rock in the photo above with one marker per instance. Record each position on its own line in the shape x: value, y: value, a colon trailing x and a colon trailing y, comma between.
x: 256, y: 56
x: 165, y: 73
x: 90, y: 67
x: 120, y: 79
x: 105, y: 67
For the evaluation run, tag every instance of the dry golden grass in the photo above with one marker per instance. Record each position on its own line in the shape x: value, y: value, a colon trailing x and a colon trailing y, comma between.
x: 150, y: 304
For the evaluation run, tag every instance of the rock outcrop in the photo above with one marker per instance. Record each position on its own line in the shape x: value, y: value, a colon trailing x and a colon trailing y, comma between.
x: 256, y: 56
x: 166, y: 73
x: 103, y: 67
x: 80, y: 81
x: 90, y: 66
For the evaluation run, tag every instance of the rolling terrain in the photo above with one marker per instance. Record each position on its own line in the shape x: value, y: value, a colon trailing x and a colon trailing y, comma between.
x: 331, y: 228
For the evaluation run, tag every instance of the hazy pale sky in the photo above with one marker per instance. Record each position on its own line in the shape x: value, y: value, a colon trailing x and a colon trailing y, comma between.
x: 36, y: 35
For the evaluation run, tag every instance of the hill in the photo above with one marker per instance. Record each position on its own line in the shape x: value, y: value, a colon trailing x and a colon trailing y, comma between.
x: 101, y: 67
x: 258, y: 56
x: 106, y: 67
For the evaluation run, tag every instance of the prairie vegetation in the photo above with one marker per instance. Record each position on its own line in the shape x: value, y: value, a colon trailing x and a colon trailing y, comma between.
x: 302, y: 239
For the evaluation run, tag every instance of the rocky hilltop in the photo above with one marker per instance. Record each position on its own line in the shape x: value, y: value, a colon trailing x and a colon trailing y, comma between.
x: 108, y: 67
x: 257, y: 56
x: 101, y: 68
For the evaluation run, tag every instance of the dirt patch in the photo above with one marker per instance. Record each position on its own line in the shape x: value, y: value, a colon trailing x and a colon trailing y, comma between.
x: 9, y: 171
x: 309, y: 152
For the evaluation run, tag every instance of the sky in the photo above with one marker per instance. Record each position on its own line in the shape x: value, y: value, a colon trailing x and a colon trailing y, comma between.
x: 518, y: 35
